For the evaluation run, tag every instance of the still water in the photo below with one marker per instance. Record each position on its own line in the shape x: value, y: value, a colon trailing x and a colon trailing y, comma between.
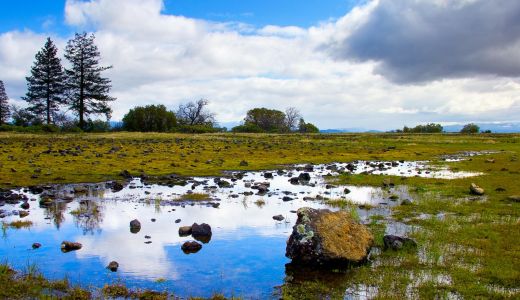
x: 245, y: 256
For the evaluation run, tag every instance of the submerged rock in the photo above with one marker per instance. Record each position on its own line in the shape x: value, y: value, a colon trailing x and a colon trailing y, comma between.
x: 67, y: 246
x: 113, y: 266
x: 36, y: 245
x: 323, y: 237
x: 397, y: 243
x: 476, y: 190
x: 135, y: 226
x: 191, y: 247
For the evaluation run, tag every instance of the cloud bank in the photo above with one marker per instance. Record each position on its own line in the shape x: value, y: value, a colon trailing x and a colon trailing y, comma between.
x: 344, y: 73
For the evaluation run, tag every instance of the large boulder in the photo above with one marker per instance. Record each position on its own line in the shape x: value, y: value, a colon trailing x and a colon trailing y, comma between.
x: 323, y: 237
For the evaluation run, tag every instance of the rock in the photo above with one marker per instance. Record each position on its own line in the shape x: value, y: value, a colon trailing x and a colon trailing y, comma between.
x: 294, y: 180
x: 113, y: 266
x: 23, y: 213
x: 514, y: 198
x: 201, y: 232
x: 135, y: 226
x: 268, y: 175
x: 25, y: 205
x: 476, y: 190
x: 67, y: 246
x: 287, y: 198
x: 397, y: 243
x: 115, y: 186
x: 304, y: 177
x: 322, y: 237
x: 278, y: 218
x: 36, y: 245
x: 243, y: 163
x: 80, y: 190
x: 406, y: 202
x: 308, y: 168
x: 178, y: 221
x: 191, y: 247
x: 490, y: 160
x: 346, y: 191
x: 184, y: 230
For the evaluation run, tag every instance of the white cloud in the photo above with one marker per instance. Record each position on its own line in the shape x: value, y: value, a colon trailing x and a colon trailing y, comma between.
x: 160, y: 58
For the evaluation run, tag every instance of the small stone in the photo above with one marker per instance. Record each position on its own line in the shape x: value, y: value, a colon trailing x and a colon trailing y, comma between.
x: 135, y: 226
x: 397, y: 243
x: 406, y: 202
x: 23, y: 213
x: 278, y: 218
x: 178, y: 221
x: 113, y: 266
x: 476, y: 190
x: 191, y: 247
x: 36, y: 245
x: 184, y: 230
x: 67, y: 246
x: 25, y: 205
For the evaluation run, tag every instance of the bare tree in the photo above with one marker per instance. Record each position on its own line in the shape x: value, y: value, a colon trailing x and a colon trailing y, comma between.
x: 195, y: 113
x: 292, y: 116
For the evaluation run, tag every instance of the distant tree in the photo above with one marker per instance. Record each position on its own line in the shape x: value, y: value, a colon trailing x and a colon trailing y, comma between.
x: 292, y: 115
x: 470, y: 128
x: 247, y: 128
x: 5, y: 111
x: 195, y: 113
x: 149, y: 118
x: 46, y: 84
x: 24, y: 117
x: 304, y: 127
x: 88, y: 91
x: 269, y: 120
x: 428, y: 128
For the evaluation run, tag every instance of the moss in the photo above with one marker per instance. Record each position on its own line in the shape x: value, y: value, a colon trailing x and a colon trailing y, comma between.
x: 342, y: 237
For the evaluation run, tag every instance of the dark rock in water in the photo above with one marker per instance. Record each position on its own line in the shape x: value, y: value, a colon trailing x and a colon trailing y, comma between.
x: 346, y: 191
x: 178, y: 221
x: 80, y: 189
x: 397, y: 243
x: 287, y: 198
x: 294, y: 180
x: 36, y: 190
x: 135, y: 226
x: 184, y: 230
x: 305, y: 177
x: 323, y: 237
x: 309, y: 168
x: 113, y: 266
x: 476, y: 190
x: 153, y: 220
x: 268, y: 175
x: 67, y: 246
x: 25, y: 205
x: 115, y: 186
x: 201, y: 232
x: 278, y: 218
x: 23, y: 213
x: 215, y: 205
x: 351, y: 167
x: 191, y: 247
x: 36, y: 245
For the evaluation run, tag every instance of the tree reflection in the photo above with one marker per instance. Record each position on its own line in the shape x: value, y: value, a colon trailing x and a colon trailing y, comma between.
x: 88, y: 216
x: 55, y: 211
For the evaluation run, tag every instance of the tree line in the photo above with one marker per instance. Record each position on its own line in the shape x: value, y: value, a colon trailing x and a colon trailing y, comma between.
x: 80, y: 88
x: 195, y: 117
x: 437, y: 128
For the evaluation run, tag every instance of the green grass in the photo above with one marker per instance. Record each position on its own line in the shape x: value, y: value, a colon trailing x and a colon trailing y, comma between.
x: 194, y: 197
x: 467, y: 246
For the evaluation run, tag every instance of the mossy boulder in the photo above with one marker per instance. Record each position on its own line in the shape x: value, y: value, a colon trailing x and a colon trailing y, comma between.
x: 323, y: 237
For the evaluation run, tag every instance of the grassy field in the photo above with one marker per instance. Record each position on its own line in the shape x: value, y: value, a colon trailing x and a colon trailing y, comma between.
x: 468, y: 246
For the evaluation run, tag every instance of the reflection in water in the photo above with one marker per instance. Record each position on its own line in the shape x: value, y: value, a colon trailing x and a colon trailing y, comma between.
x: 246, y: 253
x: 55, y: 212
x: 88, y: 216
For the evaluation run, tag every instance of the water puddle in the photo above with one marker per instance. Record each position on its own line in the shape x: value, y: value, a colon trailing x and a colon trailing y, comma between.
x: 245, y: 255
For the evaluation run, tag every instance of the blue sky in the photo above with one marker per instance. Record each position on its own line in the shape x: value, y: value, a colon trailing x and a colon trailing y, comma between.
x: 373, y: 64
x: 48, y: 15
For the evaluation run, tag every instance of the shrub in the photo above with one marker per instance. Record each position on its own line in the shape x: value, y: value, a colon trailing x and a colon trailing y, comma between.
x: 149, y: 118
x: 470, y: 128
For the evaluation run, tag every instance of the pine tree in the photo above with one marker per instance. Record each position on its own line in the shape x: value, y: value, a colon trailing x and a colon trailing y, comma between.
x: 46, y: 83
x: 88, y: 91
x: 4, y: 106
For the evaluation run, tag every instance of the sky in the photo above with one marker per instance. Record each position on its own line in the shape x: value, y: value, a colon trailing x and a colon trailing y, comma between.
x: 368, y: 64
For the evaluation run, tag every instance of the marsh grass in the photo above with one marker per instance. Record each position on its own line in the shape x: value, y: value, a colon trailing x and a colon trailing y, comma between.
x: 194, y: 197
x: 19, y: 224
